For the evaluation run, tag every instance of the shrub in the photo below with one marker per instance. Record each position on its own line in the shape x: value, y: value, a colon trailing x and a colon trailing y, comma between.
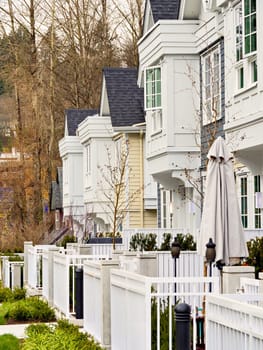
x: 9, y: 342
x: 19, y: 293
x: 142, y: 242
x: 61, y: 336
x: 255, y: 250
x: 67, y: 239
x: 5, y: 294
x: 30, y: 309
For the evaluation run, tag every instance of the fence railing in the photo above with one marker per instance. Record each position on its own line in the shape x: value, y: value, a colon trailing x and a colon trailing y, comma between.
x: 133, y: 298
x: 12, y: 273
x: 34, y: 265
x: 251, y: 286
x: 232, y: 323
x: 64, y: 279
x: 97, y: 304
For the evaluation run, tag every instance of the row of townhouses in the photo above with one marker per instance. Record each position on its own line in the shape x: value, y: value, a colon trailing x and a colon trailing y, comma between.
x: 200, y: 75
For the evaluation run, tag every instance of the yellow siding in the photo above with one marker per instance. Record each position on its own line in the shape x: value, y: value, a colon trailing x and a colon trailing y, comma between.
x: 138, y: 217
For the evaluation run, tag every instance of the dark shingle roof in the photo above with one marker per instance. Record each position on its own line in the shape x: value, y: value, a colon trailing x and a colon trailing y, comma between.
x: 125, y: 98
x: 165, y: 9
x: 75, y: 117
x: 56, y: 192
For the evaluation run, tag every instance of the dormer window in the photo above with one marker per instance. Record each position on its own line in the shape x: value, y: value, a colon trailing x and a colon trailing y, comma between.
x: 153, y: 98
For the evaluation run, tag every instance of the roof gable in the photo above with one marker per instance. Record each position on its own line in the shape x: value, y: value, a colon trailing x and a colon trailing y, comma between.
x: 74, y: 117
x: 125, y: 98
x: 165, y: 9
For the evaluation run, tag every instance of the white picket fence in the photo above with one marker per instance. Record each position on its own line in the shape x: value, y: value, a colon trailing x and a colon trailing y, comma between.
x: 233, y: 323
x: 34, y: 265
x: 64, y: 279
x: 12, y: 273
x: 131, y: 304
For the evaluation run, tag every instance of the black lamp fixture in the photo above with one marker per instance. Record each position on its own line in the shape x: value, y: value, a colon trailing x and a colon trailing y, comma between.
x: 175, y: 248
x: 210, y: 253
x: 175, y: 251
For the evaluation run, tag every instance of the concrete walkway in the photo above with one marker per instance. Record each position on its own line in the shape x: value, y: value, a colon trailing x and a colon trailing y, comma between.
x: 18, y: 330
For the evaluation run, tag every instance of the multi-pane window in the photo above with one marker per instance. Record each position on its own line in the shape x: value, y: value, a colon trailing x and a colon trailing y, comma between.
x: 244, y: 202
x: 246, y: 43
x: 239, y: 32
x: 257, y: 210
x: 153, y: 98
x: 211, y: 86
x: 250, y: 24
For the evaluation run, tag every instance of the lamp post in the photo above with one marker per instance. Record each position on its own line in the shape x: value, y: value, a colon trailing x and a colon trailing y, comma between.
x: 210, y: 255
x: 175, y: 251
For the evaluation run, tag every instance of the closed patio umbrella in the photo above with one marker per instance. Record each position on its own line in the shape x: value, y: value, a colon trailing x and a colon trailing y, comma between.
x: 221, y: 219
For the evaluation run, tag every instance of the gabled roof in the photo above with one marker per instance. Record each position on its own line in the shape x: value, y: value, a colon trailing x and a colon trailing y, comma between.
x: 74, y: 117
x: 125, y: 98
x: 165, y: 9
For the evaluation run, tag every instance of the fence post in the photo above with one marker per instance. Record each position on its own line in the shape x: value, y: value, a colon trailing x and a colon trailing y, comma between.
x: 182, y: 316
x: 79, y: 293
x: 27, y: 245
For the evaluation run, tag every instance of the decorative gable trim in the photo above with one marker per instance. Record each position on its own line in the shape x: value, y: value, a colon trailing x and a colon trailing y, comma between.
x: 148, y: 21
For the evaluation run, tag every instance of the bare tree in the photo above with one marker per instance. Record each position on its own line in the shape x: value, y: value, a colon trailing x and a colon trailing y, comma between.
x: 115, y: 186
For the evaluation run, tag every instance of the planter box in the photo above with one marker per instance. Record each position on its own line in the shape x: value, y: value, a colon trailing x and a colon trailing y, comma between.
x: 104, y: 240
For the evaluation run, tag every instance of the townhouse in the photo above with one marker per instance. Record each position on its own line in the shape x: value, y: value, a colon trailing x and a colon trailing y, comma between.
x: 91, y: 153
x: 199, y: 76
x: 200, y: 67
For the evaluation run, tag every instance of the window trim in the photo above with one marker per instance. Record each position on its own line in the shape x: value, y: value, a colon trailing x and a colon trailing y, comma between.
x: 145, y: 87
x: 246, y: 60
x: 206, y: 120
x: 244, y: 34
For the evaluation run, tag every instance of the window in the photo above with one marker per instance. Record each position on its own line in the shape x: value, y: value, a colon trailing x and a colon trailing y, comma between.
x: 246, y: 43
x: 257, y: 210
x: 254, y: 71
x: 250, y: 24
x: 239, y: 30
x: 211, y: 86
x: 153, y: 88
x: 244, y: 202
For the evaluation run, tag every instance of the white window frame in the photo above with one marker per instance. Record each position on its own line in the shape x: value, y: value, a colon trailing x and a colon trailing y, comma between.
x: 147, y: 108
x: 244, y: 34
x: 245, y: 60
x: 211, y: 85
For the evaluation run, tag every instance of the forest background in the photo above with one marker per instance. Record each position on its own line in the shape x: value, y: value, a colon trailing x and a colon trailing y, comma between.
x: 52, y: 53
